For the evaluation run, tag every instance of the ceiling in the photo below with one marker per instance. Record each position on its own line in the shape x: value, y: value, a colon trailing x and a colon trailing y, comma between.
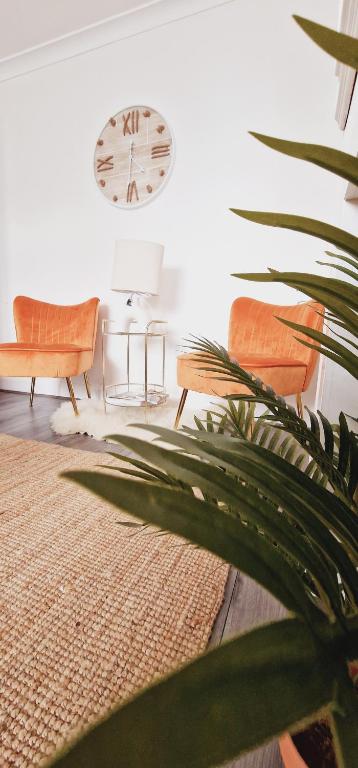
x: 27, y: 23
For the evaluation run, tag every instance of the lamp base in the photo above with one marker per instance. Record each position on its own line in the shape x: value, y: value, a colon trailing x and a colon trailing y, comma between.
x: 140, y: 313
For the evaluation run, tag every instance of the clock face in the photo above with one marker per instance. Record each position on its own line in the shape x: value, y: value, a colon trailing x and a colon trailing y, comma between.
x: 133, y: 156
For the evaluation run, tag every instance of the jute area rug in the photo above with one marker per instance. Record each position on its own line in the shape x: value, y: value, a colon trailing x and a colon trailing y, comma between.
x: 90, y: 611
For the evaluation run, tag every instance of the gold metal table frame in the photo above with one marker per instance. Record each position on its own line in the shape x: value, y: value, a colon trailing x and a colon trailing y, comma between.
x: 143, y: 394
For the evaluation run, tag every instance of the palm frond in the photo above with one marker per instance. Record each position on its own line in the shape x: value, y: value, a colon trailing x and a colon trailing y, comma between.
x: 326, y: 345
x: 214, y: 359
x: 333, y: 160
x: 339, y: 297
x: 349, y: 272
x: 340, y: 256
x: 202, y: 716
x: 342, y: 47
x: 338, y: 237
x: 238, y: 418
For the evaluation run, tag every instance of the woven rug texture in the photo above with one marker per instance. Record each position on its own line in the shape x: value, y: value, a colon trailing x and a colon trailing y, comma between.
x: 90, y: 611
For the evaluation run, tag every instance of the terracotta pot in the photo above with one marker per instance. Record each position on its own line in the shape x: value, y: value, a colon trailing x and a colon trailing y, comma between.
x: 289, y: 753
x: 291, y: 758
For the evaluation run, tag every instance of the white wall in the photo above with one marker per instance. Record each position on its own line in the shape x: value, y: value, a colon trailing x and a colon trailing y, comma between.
x: 25, y: 24
x: 213, y: 76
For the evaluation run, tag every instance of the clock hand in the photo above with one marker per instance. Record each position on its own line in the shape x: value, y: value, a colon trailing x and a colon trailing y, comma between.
x: 142, y: 170
x: 130, y: 161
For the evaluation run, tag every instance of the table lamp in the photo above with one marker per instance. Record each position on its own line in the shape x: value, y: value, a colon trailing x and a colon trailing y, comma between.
x: 136, y: 271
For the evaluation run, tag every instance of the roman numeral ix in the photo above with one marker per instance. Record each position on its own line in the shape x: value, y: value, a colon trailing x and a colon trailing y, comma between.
x: 131, y: 122
x: 132, y: 190
x: 105, y: 163
x: 160, y: 150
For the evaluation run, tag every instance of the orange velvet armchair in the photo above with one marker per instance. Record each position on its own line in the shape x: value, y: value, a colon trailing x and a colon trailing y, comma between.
x: 52, y: 341
x: 261, y: 345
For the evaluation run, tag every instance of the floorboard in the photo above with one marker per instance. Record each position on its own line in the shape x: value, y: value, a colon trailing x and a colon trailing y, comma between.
x: 245, y: 604
x: 18, y: 419
x: 251, y: 605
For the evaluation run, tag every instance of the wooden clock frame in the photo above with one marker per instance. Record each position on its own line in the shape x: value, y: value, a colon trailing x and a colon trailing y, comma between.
x: 131, y: 174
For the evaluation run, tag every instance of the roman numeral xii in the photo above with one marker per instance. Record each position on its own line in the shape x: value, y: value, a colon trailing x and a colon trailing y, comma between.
x: 131, y: 122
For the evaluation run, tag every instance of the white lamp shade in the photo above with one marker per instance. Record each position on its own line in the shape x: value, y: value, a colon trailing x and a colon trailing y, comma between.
x: 136, y: 267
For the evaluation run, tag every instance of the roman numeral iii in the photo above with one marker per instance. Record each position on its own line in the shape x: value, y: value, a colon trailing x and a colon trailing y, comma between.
x: 161, y: 150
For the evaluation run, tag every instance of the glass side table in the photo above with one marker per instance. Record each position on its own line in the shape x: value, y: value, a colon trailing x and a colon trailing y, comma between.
x: 133, y: 393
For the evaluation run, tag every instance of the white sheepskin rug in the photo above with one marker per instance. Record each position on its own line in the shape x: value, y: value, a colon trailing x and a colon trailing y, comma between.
x: 93, y: 420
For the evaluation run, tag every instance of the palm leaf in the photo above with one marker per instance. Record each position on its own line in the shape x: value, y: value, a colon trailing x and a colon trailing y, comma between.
x: 347, y: 359
x: 337, y: 296
x: 204, y: 524
x: 342, y: 47
x: 338, y: 237
x: 328, y: 435
x: 344, y: 270
x: 224, y: 703
x: 344, y: 444
x: 242, y: 501
x: 214, y: 359
x: 152, y: 473
x: 353, y: 476
x: 333, y: 160
x: 241, y: 421
x: 320, y: 514
x: 340, y: 256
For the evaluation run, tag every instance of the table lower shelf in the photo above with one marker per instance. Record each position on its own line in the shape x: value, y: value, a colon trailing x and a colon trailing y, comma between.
x: 131, y: 398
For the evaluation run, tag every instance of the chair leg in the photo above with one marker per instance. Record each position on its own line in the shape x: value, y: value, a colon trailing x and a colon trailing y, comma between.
x: 180, y: 408
x: 72, y: 395
x: 299, y: 405
x: 85, y: 376
x: 32, y: 391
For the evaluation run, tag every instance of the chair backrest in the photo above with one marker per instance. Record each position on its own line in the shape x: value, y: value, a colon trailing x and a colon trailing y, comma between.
x: 40, y: 323
x: 254, y: 329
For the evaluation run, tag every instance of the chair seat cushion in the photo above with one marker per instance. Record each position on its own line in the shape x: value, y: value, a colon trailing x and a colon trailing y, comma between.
x: 285, y: 376
x: 260, y: 361
x: 53, y: 360
x: 17, y: 346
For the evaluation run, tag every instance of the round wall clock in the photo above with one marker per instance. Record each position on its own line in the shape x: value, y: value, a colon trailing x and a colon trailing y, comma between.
x: 133, y: 156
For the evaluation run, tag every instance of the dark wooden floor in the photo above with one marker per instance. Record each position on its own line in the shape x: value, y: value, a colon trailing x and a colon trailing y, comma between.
x: 245, y: 604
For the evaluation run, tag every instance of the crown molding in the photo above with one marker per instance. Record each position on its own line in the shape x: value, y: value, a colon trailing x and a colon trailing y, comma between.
x: 346, y: 75
x: 146, y: 17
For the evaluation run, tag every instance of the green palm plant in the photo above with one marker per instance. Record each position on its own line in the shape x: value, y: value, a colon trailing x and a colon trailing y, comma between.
x: 238, y: 419
x: 270, y: 519
x: 338, y: 467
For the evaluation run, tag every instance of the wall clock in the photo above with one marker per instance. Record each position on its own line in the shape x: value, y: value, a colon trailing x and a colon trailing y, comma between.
x: 133, y: 156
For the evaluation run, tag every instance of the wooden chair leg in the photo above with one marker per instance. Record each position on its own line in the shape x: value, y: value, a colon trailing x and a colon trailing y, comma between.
x: 299, y: 405
x: 180, y: 408
x: 72, y: 395
x: 85, y: 376
x: 32, y: 391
